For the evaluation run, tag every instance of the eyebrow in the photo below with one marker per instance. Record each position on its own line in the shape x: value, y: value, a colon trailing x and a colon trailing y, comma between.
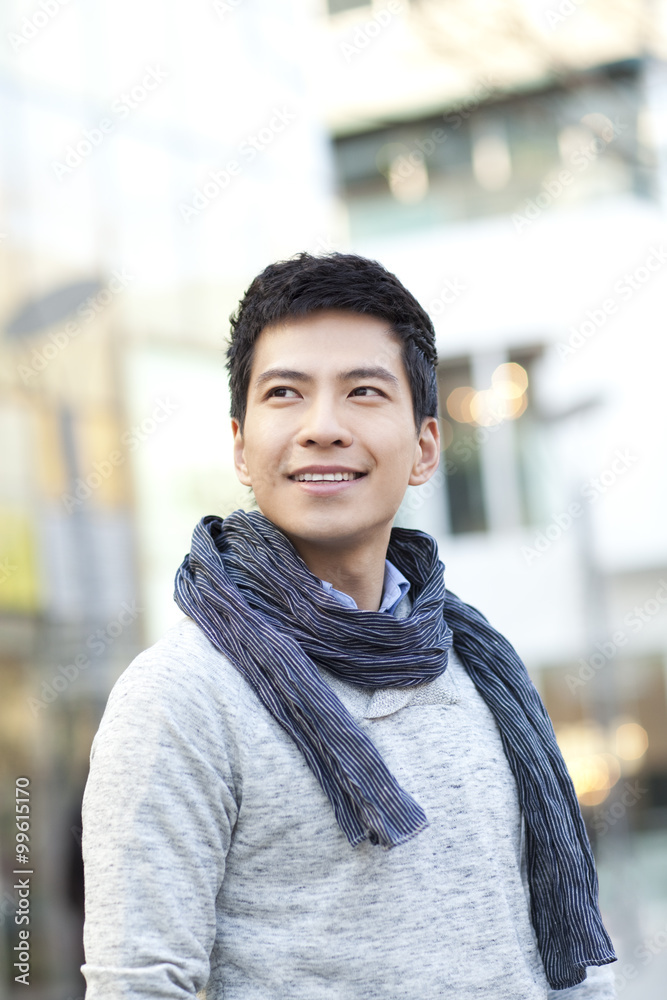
x: 290, y: 375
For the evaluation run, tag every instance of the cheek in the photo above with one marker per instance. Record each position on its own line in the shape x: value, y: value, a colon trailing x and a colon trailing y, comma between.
x: 270, y: 431
x: 400, y: 450
x: 263, y: 474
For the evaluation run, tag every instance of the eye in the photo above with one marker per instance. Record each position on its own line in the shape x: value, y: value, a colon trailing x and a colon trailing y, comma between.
x: 279, y: 389
x: 372, y: 388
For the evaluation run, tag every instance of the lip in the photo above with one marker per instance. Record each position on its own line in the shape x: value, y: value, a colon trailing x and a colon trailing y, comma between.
x: 324, y: 469
x: 330, y: 487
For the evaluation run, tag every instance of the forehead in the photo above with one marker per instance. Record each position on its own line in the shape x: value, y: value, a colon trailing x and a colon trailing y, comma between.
x: 328, y: 340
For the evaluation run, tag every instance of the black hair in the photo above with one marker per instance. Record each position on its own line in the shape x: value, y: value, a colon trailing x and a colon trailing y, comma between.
x: 305, y: 284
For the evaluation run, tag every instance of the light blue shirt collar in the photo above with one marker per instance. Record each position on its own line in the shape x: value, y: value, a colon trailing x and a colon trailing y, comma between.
x: 394, y: 589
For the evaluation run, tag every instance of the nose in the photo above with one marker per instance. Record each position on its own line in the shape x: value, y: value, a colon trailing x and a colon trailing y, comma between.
x: 323, y: 424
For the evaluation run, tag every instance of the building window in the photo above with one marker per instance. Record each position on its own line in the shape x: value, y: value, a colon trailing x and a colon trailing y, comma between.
x: 490, y: 439
x: 495, y: 155
x: 462, y: 466
x: 338, y: 6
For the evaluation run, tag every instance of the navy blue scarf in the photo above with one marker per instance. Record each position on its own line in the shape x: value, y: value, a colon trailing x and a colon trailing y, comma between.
x: 253, y: 596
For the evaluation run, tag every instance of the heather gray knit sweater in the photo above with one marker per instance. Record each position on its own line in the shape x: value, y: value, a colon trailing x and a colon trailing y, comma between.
x: 213, y: 860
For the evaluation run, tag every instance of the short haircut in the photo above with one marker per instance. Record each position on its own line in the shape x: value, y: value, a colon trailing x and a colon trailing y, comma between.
x: 306, y: 284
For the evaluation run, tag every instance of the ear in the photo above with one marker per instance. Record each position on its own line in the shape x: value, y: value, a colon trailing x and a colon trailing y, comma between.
x: 427, y: 452
x: 239, y: 455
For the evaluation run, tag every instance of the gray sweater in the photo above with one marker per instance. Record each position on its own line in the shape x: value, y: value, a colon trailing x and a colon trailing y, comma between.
x: 213, y: 860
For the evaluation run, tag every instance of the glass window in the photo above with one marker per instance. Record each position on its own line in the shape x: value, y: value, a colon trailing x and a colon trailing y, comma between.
x: 338, y: 6
x: 461, y: 452
x: 492, y: 442
x: 493, y: 158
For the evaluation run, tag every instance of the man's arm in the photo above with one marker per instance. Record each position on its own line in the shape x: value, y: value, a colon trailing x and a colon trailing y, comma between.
x: 157, y: 819
x: 598, y: 985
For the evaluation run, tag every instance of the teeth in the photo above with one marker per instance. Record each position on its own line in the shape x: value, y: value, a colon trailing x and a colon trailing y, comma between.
x: 326, y: 477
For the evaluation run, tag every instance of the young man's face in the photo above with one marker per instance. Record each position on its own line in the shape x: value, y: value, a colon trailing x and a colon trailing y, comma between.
x: 328, y: 393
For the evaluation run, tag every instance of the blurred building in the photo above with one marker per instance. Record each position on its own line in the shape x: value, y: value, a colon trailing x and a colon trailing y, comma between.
x: 153, y: 160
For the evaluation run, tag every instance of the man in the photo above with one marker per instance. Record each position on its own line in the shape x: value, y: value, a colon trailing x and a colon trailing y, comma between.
x: 332, y: 779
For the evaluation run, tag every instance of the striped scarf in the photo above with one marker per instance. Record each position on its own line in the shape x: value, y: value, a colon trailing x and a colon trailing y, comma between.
x: 249, y: 591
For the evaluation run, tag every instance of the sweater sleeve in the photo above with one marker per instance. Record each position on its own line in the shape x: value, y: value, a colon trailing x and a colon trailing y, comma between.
x: 158, y: 813
x: 598, y: 985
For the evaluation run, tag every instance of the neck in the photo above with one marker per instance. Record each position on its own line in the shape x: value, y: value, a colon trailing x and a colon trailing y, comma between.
x: 358, y: 572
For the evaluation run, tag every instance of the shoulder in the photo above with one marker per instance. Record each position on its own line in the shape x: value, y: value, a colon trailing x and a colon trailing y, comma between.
x: 182, y: 680
x: 181, y: 659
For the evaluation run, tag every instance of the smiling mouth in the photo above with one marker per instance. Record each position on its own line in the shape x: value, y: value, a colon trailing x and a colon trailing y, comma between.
x: 326, y: 477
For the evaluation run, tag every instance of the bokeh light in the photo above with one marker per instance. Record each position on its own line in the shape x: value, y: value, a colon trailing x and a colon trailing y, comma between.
x: 631, y: 741
x: 506, y: 399
x: 458, y: 404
